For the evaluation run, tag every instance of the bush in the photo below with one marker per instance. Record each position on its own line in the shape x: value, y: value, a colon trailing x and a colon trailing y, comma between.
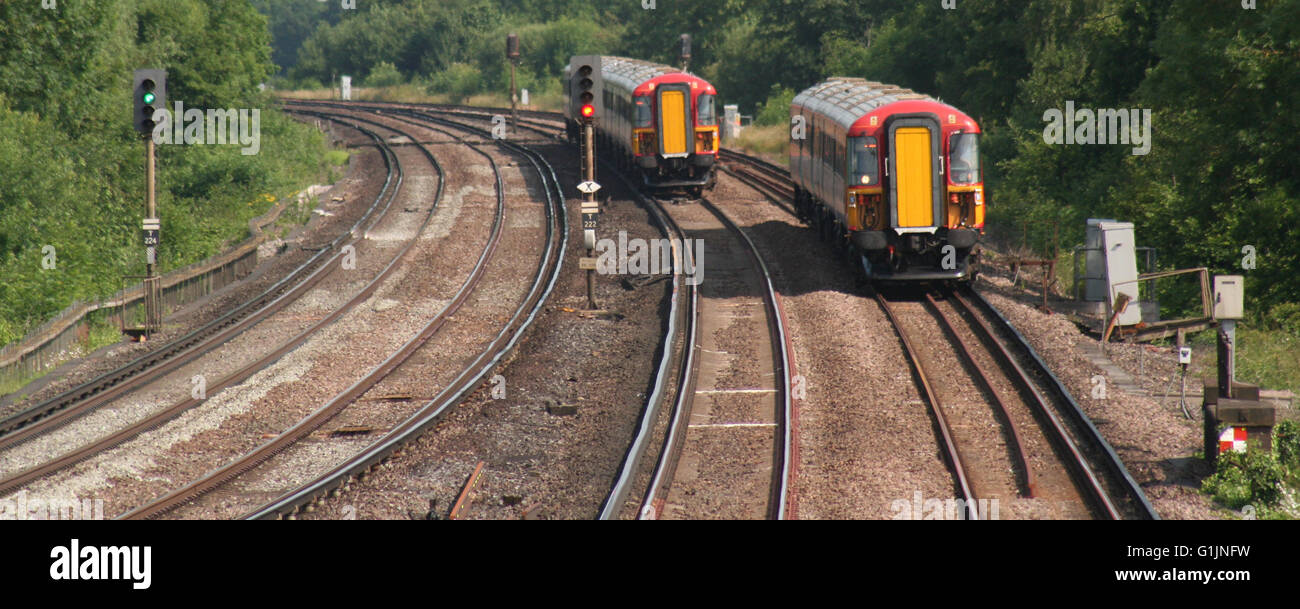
x: 1253, y: 477
x: 384, y: 75
x: 459, y: 80
x: 776, y: 110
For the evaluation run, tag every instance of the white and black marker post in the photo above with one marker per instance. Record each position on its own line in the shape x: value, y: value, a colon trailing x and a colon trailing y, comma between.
x: 590, y: 208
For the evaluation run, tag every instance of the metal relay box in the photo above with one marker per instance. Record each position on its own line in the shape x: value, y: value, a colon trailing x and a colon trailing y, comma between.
x: 1229, y: 296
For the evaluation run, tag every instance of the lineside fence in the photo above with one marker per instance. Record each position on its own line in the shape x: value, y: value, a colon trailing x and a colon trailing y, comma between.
x: 56, y: 340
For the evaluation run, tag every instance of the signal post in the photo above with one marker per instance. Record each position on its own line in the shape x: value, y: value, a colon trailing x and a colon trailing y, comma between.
x: 512, y: 54
x: 150, y: 94
x: 590, y: 207
x: 585, y: 89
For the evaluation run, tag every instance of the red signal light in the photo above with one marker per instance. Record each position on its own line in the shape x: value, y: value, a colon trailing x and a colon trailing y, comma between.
x: 588, y: 111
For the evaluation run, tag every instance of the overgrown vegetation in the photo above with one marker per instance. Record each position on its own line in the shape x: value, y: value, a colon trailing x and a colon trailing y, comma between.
x: 73, y: 168
x: 1267, y: 482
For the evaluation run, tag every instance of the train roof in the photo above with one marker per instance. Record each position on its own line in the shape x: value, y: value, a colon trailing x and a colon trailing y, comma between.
x: 847, y: 100
x: 632, y: 73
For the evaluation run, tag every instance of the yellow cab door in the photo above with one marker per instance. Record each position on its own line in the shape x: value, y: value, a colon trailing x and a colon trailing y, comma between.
x: 914, y: 176
x: 674, y: 121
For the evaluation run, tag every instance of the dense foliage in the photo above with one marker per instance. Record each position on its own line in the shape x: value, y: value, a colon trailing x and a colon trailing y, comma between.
x: 1221, y: 82
x: 72, y: 168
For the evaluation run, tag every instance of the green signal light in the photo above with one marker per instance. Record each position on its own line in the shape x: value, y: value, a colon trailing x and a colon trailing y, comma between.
x: 148, y: 98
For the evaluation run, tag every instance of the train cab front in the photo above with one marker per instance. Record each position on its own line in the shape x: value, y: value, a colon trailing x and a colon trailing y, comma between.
x: 676, y: 132
x: 925, y: 222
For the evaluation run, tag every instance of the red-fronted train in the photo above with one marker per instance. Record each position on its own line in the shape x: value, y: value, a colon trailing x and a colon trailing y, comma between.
x: 657, y: 122
x: 892, y: 175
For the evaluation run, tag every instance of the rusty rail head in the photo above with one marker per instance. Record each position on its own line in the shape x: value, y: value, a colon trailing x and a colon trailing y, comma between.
x: 1055, y: 431
x: 1028, y: 479
x: 949, y: 444
x: 462, y: 501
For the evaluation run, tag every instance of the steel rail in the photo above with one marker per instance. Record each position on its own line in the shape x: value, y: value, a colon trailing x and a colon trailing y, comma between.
x: 486, y: 111
x: 616, y: 499
x: 651, y: 505
x: 1089, y: 433
x: 1028, y: 479
x: 776, y: 171
x: 156, y: 420
x: 1111, y: 461
x: 339, y: 478
x: 65, y: 407
x: 783, y: 356
x: 949, y: 445
x: 294, y: 434
x: 665, y: 468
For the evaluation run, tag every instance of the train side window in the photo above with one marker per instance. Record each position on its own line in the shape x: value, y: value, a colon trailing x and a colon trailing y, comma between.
x: 704, y: 111
x: 643, y: 115
x: 865, y: 160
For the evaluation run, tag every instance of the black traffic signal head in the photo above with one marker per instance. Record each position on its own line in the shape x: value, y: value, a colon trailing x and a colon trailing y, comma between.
x: 584, y: 87
x: 512, y: 46
x: 150, y: 93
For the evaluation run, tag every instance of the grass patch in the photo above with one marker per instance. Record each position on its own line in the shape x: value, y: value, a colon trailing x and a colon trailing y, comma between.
x: 337, y: 158
x: 1266, y: 357
x: 101, y: 332
x: 768, y: 142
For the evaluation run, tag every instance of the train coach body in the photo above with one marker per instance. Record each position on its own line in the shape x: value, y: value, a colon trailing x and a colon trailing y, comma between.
x: 893, y: 172
x: 657, y: 121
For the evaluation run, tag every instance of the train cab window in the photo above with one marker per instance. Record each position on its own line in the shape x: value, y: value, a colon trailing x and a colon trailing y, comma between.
x: 705, y: 114
x: 643, y: 115
x: 964, y: 158
x: 864, y: 160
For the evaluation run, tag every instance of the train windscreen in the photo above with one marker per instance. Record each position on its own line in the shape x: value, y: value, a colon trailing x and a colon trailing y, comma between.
x: 643, y: 115
x: 964, y: 158
x: 864, y: 161
x: 705, y: 111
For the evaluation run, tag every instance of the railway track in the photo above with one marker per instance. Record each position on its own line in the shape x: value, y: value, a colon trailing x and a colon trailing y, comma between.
x: 770, y: 179
x: 160, y: 417
x: 305, y: 496
x: 1048, y: 445
x: 63, y: 408
x: 972, y: 400
x: 727, y: 449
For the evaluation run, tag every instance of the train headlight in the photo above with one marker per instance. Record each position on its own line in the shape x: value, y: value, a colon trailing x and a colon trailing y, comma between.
x: 704, y: 141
